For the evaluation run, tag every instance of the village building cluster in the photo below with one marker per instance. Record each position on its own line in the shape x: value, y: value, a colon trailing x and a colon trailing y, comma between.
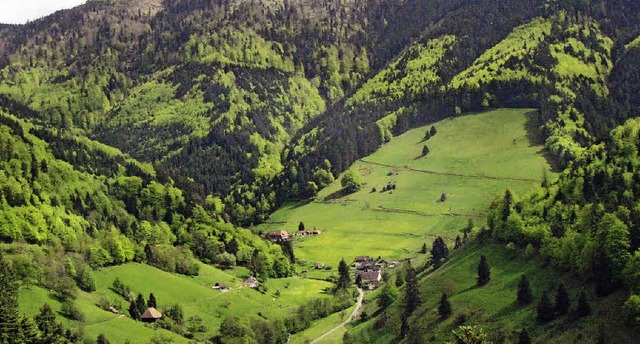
x: 369, y: 271
x: 276, y: 236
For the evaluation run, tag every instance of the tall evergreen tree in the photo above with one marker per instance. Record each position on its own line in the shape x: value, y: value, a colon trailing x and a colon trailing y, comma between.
x: 484, y: 272
x: 141, y: 305
x: 433, y: 130
x: 423, y: 250
x: 458, y: 243
x: 583, y: 308
x: 425, y: 150
x: 412, y: 291
x: 51, y: 331
x: 102, y: 339
x: 444, y: 307
x: 562, y: 300
x: 525, y: 296
x: 133, y: 311
x: 29, y: 332
x: 344, y: 278
x: 9, y: 313
x: 507, y: 203
x: 523, y: 337
x: 287, y: 249
x: 439, y: 252
x: 152, y: 301
x: 545, y: 309
x: 301, y: 226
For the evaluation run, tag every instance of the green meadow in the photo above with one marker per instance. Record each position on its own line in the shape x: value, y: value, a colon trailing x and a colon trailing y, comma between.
x: 194, y: 294
x: 472, y: 160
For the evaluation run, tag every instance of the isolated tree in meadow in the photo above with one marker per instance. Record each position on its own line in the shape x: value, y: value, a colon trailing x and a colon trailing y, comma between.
x: 562, y: 300
x: 545, y: 309
x: 87, y: 281
x: 423, y: 250
x: 444, y: 307
x: 433, y: 130
x: 425, y: 150
x: 351, y: 181
x: 102, y: 339
x: 484, y: 272
x: 427, y: 135
x: 439, y: 252
x: 458, y: 243
x: 344, y: 278
x: 523, y: 337
x: 525, y: 296
x: 301, y: 226
x: 152, y: 301
x: 583, y: 308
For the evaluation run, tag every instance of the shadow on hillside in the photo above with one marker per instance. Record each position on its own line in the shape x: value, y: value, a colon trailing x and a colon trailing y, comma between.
x: 336, y: 195
x: 535, y: 138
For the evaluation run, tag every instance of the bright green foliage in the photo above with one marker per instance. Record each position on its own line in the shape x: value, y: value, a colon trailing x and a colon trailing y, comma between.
x: 470, y: 335
x: 632, y: 309
x: 351, y: 181
x: 388, y: 294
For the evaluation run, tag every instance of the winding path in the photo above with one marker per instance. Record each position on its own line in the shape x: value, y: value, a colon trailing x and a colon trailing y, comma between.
x: 349, y: 319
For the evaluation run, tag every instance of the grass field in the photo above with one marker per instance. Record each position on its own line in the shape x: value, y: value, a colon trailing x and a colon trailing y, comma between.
x: 321, y: 326
x: 472, y: 159
x: 494, y: 308
x: 194, y: 294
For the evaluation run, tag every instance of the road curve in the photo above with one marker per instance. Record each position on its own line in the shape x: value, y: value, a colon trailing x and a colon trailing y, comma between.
x: 349, y: 319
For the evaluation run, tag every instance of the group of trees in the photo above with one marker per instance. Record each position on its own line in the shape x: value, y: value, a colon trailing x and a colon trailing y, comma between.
x: 587, y: 220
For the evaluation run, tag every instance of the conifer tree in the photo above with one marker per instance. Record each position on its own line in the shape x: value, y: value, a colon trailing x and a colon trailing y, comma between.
x: 425, y: 150
x: 545, y: 309
x: 102, y: 339
x: 301, y: 226
x: 344, y: 279
x: 152, y: 301
x: 523, y: 337
x: 432, y: 131
x: 444, y: 308
x: 525, y: 296
x: 133, y: 311
x: 424, y: 248
x: 484, y: 272
x: 507, y: 202
x: 51, y: 331
x: 412, y: 291
x: 9, y: 313
x: 29, y: 332
x: 562, y: 300
x: 583, y: 308
x: 140, y: 304
x: 458, y: 243
x: 439, y: 251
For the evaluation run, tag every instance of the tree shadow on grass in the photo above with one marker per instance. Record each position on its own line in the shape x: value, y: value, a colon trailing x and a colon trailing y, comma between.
x: 336, y: 195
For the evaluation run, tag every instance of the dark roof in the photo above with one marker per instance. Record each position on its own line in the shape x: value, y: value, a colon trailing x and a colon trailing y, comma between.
x: 221, y: 285
x: 362, y: 259
x: 151, y: 313
x: 369, y: 276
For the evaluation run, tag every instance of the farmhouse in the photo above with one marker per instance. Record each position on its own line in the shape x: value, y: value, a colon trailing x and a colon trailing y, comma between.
x: 369, y: 279
x: 220, y: 286
x: 276, y: 236
x: 308, y: 232
x: 251, y: 282
x: 151, y: 315
x: 388, y: 263
x: 366, y: 263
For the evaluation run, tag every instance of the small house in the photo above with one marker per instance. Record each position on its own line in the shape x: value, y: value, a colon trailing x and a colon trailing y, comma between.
x: 220, y: 286
x: 276, y: 236
x: 251, y: 282
x: 361, y: 262
x: 151, y: 315
x: 369, y: 279
x: 389, y: 263
x: 308, y: 232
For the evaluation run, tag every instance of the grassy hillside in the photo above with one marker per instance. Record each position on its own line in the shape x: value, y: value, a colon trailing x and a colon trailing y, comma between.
x: 494, y: 306
x: 472, y: 160
x: 194, y: 294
